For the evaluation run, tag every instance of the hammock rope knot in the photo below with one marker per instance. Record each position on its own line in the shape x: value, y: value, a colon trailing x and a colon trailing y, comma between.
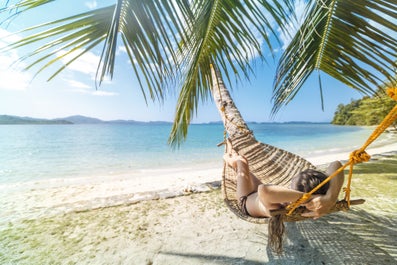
x: 266, y: 159
x: 359, y: 156
x: 392, y: 92
x: 346, y: 190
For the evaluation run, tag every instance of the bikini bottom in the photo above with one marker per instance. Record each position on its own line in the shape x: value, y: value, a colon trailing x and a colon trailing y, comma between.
x: 243, y: 203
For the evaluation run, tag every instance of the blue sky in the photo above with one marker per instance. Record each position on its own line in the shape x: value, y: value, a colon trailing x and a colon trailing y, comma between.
x: 73, y: 92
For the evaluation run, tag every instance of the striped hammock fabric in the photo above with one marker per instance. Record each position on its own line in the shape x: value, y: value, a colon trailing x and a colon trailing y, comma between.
x: 268, y: 163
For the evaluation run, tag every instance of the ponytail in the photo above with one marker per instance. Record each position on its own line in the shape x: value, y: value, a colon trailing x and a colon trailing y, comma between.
x: 276, y: 229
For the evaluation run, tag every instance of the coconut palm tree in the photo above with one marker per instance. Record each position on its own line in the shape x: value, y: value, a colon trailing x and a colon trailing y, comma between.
x: 172, y: 43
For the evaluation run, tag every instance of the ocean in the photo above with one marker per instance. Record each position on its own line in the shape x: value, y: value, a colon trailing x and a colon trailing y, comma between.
x: 46, y: 152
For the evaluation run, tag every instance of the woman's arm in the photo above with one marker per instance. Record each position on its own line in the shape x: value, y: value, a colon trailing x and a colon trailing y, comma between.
x: 320, y: 205
x: 273, y: 196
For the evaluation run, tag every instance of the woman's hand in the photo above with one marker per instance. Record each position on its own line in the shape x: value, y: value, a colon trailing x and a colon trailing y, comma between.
x: 318, y: 206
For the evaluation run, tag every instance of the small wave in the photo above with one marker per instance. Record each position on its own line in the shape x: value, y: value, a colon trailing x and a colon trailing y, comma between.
x: 163, y: 170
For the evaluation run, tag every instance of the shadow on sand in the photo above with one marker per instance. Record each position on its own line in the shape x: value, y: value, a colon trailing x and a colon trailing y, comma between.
x: 356, y: 237
x: 213, y: 259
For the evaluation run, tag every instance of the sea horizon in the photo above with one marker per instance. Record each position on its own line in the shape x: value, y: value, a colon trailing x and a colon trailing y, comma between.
x: 47, y: 169
x: 6, y: 119
x: 41, y: 152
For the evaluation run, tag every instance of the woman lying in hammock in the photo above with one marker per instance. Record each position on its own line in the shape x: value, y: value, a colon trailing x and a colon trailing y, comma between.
x: 257, y: 199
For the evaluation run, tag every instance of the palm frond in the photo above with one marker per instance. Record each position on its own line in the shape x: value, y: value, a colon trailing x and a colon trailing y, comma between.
x: 150, y: 31
x: 353, y: 41
x: 22, y: 6
x: 15, y: 8
x: 64, y: 37
x: 226, y: 33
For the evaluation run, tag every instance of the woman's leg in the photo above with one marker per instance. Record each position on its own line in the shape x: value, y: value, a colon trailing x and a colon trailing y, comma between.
x: 247, y: 183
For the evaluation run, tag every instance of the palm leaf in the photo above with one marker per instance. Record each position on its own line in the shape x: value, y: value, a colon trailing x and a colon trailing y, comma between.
x: 150, y: 31
x: 353, y: 41
x: 81, y: 32
x: 21, y: 6
x: 224, y: 33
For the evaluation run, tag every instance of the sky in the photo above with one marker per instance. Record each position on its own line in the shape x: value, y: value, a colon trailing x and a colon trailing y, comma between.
x: 73, y: 92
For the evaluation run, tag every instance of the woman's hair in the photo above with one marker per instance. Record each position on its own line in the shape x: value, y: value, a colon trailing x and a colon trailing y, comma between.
x: 276, y: 229
x: 308, y: 179
x: 304, y: 181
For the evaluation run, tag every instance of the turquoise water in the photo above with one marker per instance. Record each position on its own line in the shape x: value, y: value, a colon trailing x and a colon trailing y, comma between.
x: 40, y: 152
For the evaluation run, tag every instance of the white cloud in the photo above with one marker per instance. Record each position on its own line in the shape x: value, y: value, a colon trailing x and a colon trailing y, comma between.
x: 7, y: 37
x: 12, y: 75
x: 86, y: 64
x: 77, y: 84
x: 13, y: 79
x: 104, y: 93
x: 93, y: 92
x: 121, y: 49
x: 82, y: 88
x: 91, y: 4
x: 293, y: 26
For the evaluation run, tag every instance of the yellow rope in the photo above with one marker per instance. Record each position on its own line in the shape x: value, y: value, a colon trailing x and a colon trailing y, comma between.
x: 392, y: 92
x: 357, y: 156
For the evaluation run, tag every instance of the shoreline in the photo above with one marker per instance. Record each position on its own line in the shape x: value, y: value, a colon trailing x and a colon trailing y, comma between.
x: 50, y: 197
x: 344, y: 156
x: 200, y: 229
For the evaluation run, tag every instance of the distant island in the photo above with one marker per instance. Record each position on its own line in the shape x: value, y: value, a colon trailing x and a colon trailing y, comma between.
x: 77, y: 119
x: 361, y: 112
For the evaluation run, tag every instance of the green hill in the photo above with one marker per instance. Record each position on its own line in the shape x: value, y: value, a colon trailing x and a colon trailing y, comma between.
x: 77, y: 119
x: 364, y: 112
x: 8, y: 119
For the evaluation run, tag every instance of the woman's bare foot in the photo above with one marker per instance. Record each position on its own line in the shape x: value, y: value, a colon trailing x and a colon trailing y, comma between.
x: 233, y: 159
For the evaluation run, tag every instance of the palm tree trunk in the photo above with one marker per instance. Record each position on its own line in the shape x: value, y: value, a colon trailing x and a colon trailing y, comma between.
x: 232, y: 120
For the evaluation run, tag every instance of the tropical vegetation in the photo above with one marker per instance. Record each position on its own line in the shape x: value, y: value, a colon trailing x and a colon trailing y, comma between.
x: 173, y: 43
x: 364, y: 112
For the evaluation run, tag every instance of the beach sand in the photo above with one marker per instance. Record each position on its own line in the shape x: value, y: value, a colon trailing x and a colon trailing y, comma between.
x: 157, y: 221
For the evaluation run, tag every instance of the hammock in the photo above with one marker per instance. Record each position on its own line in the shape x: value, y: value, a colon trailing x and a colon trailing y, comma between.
x: 273, y: 165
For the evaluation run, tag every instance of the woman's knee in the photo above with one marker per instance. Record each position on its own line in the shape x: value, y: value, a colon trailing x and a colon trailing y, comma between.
x: 263, y: 192
x: 265, y: 196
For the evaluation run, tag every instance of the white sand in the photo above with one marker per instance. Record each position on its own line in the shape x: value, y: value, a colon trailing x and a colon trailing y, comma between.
x: 71, y: 222
x: 372, y: 151
x: 56, y: 196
